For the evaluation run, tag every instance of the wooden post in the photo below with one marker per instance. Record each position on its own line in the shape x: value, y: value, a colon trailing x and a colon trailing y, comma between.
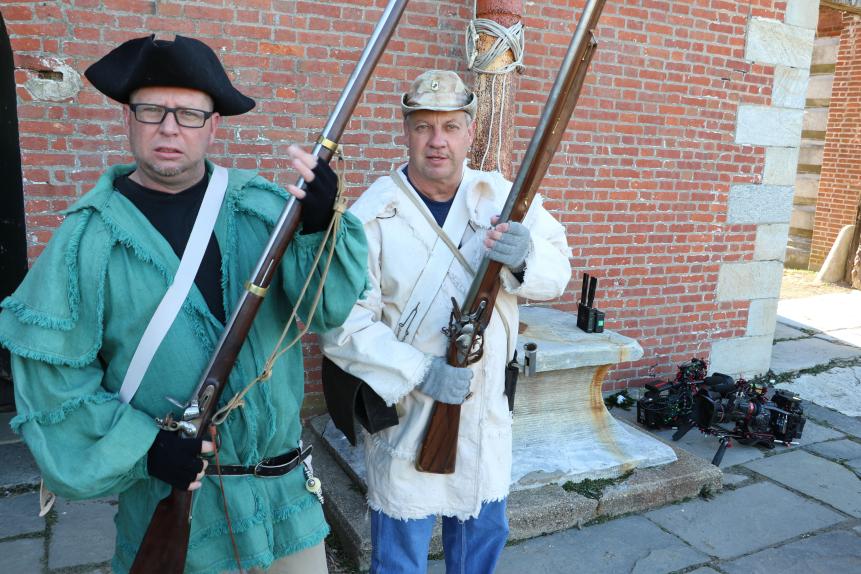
x: 492, y: 148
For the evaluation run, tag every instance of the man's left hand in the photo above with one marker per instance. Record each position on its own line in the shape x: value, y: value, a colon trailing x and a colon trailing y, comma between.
x: 319, y: 199
x: 508, y: 243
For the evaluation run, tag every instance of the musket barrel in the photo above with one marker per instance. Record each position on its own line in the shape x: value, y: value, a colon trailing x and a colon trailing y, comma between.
x: 439, y: 447
x: 166, y: 539
x: 239, y: 323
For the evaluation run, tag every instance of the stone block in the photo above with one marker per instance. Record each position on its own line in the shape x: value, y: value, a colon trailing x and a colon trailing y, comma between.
x: 20, y: 515
x: 761, y: 318
x: 654, y: 487
x: 810, y: 155
x: 838, y: 388
x: 769, y: 126
x: 828, y: 314
x: 744, y: 356
x: 832, y: 418
x: 806, y: 187
x: 837, y: 450
x: 84, y: 534
x: 790, y: 356
x: 835, y: 485
x: 825, y: 50
x: 759, y: 204
x: 784, y: 332
x: 22, y: 556
x: 773, y: 42
x: 802, y: 13
x: 802, y: 217
x: 820, y: 86
x: 725, y: 526
x: 733, y: 479
x: 18, y: 469
x: 790, y: 87
x: 815, y: 120
x: 815, y: 434
x: 548, y: 509
x: 781, y: 165
x: 631, y: 544
x: 753, y: 280
x: 771, y: 241
x: 825, y: 553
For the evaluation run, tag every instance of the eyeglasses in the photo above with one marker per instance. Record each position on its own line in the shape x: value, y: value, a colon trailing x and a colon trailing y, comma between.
x: 155, y: 114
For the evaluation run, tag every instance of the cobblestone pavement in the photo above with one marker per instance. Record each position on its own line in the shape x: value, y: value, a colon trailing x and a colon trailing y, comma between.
x: 788, y: 510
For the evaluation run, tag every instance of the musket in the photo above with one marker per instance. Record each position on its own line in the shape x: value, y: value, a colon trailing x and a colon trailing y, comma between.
x: 165, y: 543
x: 468, y: 321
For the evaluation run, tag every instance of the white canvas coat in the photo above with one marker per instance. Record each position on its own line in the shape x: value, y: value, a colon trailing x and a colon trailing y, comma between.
x: 400, y: 243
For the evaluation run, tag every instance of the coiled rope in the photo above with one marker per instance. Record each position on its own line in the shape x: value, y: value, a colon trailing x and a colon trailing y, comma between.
x: 506, y: 39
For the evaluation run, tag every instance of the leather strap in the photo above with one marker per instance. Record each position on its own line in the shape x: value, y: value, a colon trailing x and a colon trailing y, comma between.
x: 396, y: 177
x: 176, y: 294
x: 266, y: 468
x: 438, y: 264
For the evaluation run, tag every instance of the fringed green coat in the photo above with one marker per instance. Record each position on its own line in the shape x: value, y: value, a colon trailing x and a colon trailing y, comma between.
x: 74, y: 324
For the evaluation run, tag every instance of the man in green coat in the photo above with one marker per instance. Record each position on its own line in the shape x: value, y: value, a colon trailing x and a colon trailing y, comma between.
x: 76, y: 321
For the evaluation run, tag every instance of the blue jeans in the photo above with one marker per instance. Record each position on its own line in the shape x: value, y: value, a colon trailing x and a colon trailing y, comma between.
x: 471, y: 547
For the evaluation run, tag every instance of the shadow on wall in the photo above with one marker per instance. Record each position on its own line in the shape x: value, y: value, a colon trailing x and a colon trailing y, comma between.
x: 13, y: 241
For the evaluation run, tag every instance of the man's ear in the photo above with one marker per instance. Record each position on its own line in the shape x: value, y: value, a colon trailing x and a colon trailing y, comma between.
x: 216, y: 122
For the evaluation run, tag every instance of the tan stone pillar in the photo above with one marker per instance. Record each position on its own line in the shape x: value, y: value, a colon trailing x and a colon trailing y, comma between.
x: 495, y: 117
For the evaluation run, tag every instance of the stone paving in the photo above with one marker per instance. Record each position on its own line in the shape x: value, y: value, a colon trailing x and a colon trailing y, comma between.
x: 788, y: 510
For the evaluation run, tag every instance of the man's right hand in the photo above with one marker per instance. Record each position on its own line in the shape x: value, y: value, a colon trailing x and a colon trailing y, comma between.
x: 445, y: 383
x: 176, y: 460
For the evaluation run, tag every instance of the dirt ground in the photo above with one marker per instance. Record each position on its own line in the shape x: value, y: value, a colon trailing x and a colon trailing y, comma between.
x: 801, y: 283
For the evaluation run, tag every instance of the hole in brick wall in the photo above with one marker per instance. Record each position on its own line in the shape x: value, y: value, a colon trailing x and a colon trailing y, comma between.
x: 50, y: 75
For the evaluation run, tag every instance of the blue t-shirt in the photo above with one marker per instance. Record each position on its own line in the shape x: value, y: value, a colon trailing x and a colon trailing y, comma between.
x: 439, y: 209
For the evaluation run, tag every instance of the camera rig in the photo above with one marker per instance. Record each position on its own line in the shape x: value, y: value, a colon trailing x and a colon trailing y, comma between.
x: 720, y: 406
x: 667, y: 404
x: 756, y: 419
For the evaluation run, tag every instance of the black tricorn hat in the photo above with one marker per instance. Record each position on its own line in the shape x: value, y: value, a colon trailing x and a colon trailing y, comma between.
x: 183, y: 62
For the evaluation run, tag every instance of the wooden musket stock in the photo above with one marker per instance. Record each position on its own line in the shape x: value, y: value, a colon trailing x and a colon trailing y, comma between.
x: 439, y: 448
x: 165, y: 544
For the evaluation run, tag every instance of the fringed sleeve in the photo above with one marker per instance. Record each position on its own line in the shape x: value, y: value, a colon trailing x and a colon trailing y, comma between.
x: 347, y: 279
x: 86, y: 443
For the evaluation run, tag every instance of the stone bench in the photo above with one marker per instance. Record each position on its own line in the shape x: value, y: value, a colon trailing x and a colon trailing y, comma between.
x: 562, y: 431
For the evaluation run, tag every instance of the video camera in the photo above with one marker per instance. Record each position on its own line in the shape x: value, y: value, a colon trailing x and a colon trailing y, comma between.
x: 668, y: 403
x: 756, y: 419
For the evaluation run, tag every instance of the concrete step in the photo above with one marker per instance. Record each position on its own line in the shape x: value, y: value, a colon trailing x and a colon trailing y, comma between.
x: 531, y: 513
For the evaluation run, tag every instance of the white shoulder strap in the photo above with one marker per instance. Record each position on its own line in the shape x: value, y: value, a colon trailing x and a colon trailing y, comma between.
x: 176, y: 294
x: 439, y: 261
x: 412, y: 308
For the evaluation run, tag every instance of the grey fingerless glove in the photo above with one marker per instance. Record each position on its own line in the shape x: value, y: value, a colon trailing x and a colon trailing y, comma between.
x: 511, y: 249
x: 445, y: 383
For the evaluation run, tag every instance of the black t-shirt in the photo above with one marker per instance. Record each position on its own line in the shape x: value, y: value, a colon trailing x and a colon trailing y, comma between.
x: 173, y: 215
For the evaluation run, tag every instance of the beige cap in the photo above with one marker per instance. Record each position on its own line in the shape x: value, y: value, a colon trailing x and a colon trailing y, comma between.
x: 438, y: 90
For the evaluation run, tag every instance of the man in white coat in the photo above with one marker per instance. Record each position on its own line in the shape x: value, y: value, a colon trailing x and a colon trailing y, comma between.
x: 393, y: 338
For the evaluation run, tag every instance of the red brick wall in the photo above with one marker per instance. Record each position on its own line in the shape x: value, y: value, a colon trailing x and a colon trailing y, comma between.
x: 840, y: 179
x: 830, y: 22
x: 641, y: 181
